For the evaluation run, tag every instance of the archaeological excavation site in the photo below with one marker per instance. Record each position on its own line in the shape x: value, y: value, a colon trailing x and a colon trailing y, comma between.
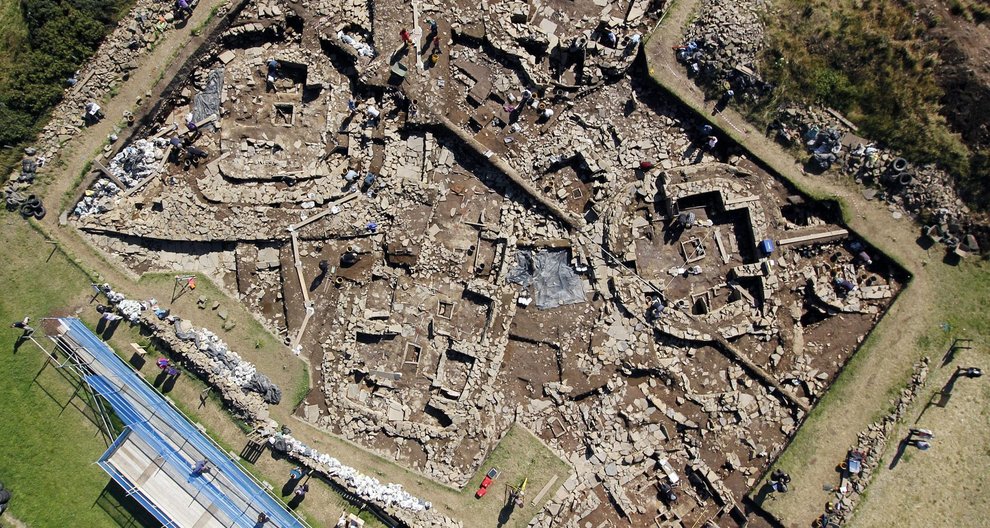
x: 468, y: 218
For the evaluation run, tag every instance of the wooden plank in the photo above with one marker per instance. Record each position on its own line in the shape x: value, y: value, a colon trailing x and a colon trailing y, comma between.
x: 85, y: 80
x: 209, y: 515
x: 815, y: 237
x: 544, y: 490
x: 164, y: 131
x: 340, y: 201
x: 842, y: 118
x: 109, y: 174
x: 153, y: 175
x: 721, y: 246
x: 149, y: 471
x: 742, y: 200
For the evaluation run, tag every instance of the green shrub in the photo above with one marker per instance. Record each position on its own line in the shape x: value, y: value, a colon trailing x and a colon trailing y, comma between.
x: 873, y: 62
x: 61, y: 35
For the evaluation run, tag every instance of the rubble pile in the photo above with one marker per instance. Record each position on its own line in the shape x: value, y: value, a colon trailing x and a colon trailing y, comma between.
x: 924, y: 192
x: 134, y: 163
x: 725, y: 35
x: 872, y: 442
x: 247, y: 391
x: 368, y: 488
x: 478, y: 220
x: 118, y: 55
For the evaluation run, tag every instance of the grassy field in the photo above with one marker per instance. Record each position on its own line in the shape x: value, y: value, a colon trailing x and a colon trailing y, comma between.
x: 519, y: 455
x: 902, y: 492
x: 877, y: 63
x: 956, y: 465
x: 47, y: 441
x: 12, y: 31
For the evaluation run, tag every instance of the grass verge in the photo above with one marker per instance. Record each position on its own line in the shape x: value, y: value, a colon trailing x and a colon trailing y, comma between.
x: 47, y: 439
x: 519, y: 455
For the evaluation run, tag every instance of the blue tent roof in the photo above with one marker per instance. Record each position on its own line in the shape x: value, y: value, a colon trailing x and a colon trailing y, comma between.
x: 168, y: 434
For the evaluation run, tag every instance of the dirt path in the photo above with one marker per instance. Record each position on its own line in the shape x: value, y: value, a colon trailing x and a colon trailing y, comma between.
x: 162, y: 64
x: 153, y: 73
x: 878, y: 368
x: 827, y: 435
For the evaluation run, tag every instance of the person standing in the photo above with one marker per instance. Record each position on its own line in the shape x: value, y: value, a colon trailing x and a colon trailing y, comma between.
x: 25, y: 326
x: 710, y: 143
x: 301, y: 492
x: 183, y: 9
x: 201, y: 467
x: 924, y: 434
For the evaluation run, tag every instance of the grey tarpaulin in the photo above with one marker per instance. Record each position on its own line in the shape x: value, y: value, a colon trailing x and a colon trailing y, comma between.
x: 262, y: 385
x: 207, y: 102
x: 554, y: 282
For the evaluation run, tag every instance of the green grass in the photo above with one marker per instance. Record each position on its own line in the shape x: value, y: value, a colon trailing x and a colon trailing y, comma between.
x: 48, y: 443
x: 70, y: 194
x: 198, y: 30
x: 519, y: 455
x: 972, y: 11
x: 877, y: 63
x: 13, y: 31
x: 301, y: 389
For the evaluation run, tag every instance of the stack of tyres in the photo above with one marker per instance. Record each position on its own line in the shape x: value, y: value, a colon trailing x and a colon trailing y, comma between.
x: 32, y: 206
x: 4, y: 498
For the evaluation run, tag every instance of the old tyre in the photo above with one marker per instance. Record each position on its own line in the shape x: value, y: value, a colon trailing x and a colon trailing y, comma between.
x: 39, y: 212
x: 4, y: 496
x: 899, y: 164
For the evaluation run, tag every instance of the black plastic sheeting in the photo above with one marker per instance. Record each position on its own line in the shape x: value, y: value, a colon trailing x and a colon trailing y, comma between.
x: 207, y: 102
x: 262, y: 385
x: 553, y: 280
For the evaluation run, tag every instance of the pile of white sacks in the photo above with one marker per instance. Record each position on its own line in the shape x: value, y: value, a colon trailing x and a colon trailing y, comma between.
x: 368, y: 488
x: 361, y: 48
x: 138, y: 160
x: 241, y: 372
x: 132, y: 164
x: 233, y: 366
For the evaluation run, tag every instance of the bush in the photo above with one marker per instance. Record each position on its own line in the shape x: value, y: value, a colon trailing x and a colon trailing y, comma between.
x: 874, y: 63
x: 62, y: 34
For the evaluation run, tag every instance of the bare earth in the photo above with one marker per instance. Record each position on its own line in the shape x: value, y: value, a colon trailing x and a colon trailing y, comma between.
x: 851, y: 406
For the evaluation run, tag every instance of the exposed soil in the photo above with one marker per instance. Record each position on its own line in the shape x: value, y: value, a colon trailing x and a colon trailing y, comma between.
x: 964, y: 74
